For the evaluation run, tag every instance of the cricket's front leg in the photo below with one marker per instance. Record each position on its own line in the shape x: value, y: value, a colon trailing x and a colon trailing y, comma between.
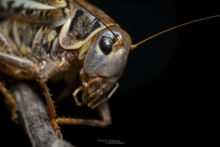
x: 104, y: 114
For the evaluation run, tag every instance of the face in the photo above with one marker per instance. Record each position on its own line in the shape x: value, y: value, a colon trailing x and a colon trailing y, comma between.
x: 107, y: 56
x: 105, y: 61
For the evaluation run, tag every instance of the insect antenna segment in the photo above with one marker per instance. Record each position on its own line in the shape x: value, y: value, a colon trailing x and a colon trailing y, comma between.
x: 171, y: 29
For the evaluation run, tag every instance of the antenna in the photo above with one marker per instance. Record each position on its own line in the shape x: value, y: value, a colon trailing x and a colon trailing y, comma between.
x: 171, y: 29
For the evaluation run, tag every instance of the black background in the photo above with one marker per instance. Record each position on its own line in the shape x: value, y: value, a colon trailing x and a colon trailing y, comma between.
x: 158, y: 95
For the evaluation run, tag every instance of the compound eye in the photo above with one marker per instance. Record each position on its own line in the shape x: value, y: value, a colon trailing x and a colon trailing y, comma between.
x: 105, y: 45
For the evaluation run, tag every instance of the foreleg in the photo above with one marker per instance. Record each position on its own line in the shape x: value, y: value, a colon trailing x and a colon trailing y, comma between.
x: 104, y: 113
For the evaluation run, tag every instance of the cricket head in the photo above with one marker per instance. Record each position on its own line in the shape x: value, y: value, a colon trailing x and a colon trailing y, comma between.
x: 104, y: 54
x: 104, y: 64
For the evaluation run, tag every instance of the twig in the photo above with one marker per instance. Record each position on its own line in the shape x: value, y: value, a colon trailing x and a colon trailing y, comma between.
x: 33, y: 116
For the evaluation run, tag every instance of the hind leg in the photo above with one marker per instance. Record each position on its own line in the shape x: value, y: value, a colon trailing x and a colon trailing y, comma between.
x: 7, y: 45
x: 30, y: 68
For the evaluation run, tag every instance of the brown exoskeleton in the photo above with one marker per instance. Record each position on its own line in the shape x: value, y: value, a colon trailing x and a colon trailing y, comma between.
x: 43, y: 38
x: 31, y: 49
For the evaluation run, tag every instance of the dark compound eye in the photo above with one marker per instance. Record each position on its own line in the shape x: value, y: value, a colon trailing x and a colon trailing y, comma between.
x: 106, y: 45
